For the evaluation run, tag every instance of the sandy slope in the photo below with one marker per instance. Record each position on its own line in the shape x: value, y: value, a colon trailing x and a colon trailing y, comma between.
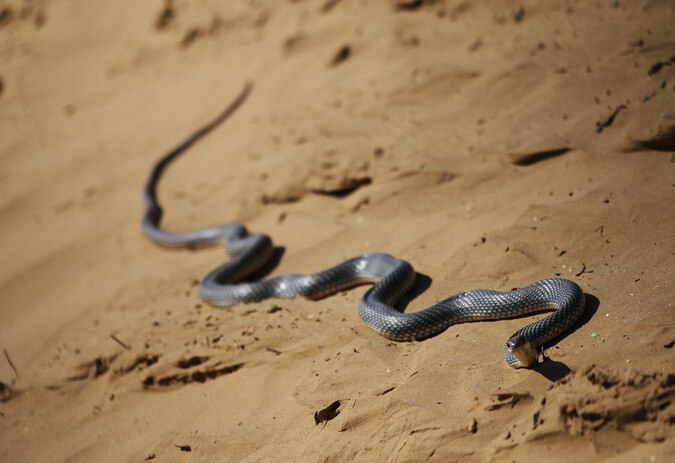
x: 503, y: 142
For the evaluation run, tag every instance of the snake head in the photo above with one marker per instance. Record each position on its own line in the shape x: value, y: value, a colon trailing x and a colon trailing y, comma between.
x: 520, y: 346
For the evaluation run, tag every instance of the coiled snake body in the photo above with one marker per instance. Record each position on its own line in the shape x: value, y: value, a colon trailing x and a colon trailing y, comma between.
x: 393, y: 278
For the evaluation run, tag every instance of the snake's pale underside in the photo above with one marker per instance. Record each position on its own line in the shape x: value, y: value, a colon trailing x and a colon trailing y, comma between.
x: 392, y: 279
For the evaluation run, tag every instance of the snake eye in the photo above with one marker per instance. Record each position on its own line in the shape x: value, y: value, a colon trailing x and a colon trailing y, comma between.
x: 515, y: 342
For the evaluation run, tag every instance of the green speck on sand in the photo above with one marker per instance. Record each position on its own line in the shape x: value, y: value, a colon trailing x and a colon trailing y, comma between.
x: 594, y: 334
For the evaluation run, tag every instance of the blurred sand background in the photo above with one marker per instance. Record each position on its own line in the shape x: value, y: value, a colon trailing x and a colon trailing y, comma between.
x: 489, y: 143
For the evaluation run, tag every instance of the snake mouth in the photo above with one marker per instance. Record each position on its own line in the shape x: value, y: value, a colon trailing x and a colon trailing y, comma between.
x: 521, y: 348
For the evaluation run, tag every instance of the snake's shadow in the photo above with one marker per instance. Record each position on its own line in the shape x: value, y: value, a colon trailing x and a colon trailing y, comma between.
x: 269, y: 267
x: 554, y: 370
x: 422, y: 283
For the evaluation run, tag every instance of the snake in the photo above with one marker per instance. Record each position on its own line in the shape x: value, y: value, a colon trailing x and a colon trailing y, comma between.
x: 232, y: 282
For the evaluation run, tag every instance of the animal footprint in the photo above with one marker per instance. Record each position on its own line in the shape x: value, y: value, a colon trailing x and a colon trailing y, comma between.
x: 194, y: 369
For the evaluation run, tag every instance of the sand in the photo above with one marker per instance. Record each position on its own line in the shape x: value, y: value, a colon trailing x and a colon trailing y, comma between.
x: 491, y: 144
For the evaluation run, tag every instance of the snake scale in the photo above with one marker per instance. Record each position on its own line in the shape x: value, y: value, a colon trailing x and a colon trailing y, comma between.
x: 392, y: 279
